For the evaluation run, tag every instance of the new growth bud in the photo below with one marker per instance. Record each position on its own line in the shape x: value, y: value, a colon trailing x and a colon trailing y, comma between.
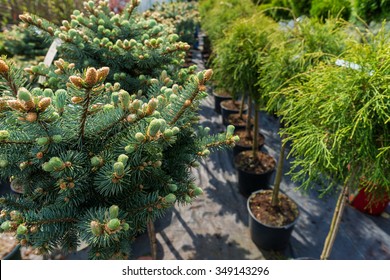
x: 4, y: 68
x: 96, y: 228
x: 119, y: 169
x: 76, y: 81
x: 91, y: 77
x: 123, y: 158
x: 4, y: 135
x: 170, y: 198
x: 114, y: 211
x: 22, y: 229
x: 229, y: 131
x: 140, y: 137
x: 113, y: 224
x: 208, y: 74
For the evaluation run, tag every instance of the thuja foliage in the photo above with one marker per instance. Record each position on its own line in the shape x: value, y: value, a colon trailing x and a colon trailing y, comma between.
x: 331, y: 8
x: 285, y: 9
x: 183, y: 16
x: 96, y: 162
x: 372, y: 10
x: 338, y: 119
x: 136, y: 49
x: 216, y: 16
x: 296, y: 50
x: 240, y: 53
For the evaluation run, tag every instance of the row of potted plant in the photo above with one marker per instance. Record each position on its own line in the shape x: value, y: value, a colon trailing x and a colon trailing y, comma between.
x: 276, y: 64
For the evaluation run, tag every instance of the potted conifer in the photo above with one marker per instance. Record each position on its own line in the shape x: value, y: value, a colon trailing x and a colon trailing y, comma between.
x: 238, y: 59
x: 341, y: 133
x: 98, y: 163
x: 274, y: 214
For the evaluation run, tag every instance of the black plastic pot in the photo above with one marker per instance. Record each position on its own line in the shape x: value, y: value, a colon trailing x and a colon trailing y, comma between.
x: 226, y: 110
x: 217, y: 101
x: 14, y: 254
x: 249, y: 182
x: 269, y: 237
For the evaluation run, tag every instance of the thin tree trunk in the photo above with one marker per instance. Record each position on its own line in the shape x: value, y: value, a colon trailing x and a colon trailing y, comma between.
x: 152, y: 239
x: 255, y: 134
x: 248, y: 120
x: 242, y: 106
x: 278, y: 176
x: 336, y: 220
x: 335, y: 224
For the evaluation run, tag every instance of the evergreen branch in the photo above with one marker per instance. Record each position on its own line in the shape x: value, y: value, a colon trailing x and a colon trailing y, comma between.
x: 10, y: 82
x: 218, y: 144
x: 84, y: 116
x: 184, y: 107
x: 130, y: 10
x: 18, y: 142
x: 121, y: 119
x: 13, y: 203
x: 53, y: 221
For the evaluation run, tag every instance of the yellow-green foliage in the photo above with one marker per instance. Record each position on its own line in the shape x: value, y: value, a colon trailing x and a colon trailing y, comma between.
x: 300, y: 48
x: 241, y: 51
x: 216, y: 16
x: 338, y: 118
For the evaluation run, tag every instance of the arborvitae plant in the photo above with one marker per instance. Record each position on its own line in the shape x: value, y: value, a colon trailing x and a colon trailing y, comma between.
x: 216, y: 16
x: 183, y: 16
x: 238, y: 56
x: 136, y: 49
x: 96, y: 162
x: 338, y: 124
x: 299, y: 49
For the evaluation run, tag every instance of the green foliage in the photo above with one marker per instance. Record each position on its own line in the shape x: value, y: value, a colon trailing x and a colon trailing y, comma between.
x: 68, y: 148
x: 299, y: 49
x: 372, y: 10
x: 54, y: 10
x: 286, y: 9
x: 338, y: 119
x: 27, y: 43
x: 216, y: 16
x: 240, y: 53
x: 183, y: 16
x: 136, y: 49
x: 323, y: 9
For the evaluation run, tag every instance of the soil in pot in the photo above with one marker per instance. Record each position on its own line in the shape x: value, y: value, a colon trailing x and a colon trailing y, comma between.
x: 219, y: 96
x: 229, y: 107
x: 254, y: 173
x: 239, y: 122
x: 284, y: 214
x: 270, y: 226
x: 246, y: 143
